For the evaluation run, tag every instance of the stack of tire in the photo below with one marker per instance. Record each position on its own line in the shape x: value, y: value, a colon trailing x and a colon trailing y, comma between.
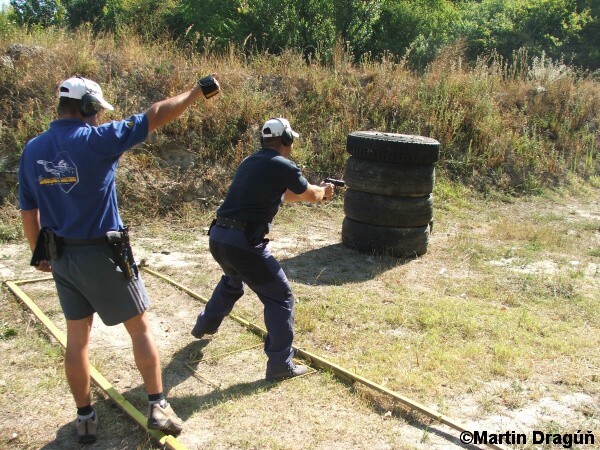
x: 388, y: 205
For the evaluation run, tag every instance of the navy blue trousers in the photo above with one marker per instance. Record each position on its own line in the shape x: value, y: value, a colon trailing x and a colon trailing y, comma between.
x: 257, y: 268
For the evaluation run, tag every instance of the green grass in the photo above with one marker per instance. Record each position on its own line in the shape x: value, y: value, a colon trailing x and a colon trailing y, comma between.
x: 8, y: 332
x: 417, y: 327
x: 10, y: 232
x: 495, y: 311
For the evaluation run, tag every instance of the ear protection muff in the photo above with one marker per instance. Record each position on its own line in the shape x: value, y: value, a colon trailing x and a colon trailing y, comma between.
x: 89, y: 104
x: 287, y: 138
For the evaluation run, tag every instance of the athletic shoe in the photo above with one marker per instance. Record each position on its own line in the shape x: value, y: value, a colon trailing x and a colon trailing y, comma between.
x: 200, y: 330
x: 86, y: 429
x: 164, y: 419
x: 288, y: 372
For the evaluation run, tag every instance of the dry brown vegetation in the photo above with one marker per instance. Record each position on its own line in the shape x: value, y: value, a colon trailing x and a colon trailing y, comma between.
x: 517, y: 127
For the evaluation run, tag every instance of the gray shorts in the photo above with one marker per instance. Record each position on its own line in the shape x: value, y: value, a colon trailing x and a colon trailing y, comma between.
x: 88, y: 281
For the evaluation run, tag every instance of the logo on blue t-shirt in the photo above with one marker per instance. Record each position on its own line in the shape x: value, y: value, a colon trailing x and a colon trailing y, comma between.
x: 62, y: 172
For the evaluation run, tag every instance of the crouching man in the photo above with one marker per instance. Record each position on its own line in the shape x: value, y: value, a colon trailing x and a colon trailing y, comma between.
x: 237, y: 242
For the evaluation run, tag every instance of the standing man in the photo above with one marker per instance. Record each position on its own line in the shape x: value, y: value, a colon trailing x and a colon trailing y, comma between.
x: 237, y: 242
x: 68, y: 205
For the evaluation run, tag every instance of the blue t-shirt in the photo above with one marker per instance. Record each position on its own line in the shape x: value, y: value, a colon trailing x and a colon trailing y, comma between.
x: 68, y: 173
x: 258, y: 185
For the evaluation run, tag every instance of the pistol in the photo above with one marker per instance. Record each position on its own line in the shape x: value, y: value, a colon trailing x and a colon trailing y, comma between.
x: 123, y: 256
x: 338, y: 183
x: 113, y: 237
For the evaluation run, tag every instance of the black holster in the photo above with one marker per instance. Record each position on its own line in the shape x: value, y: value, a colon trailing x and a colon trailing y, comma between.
x: 47, y: 247
x: 122, y: 252
x: 256, y: 232
x: 212, y: 224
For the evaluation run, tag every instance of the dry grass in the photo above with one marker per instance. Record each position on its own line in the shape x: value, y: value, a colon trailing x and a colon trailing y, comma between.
x: 497, y: 325
x: 516, y: 127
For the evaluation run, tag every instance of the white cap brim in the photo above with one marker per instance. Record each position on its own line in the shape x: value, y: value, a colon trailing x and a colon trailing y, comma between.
x: 105, y: 104
x: 77, y: 87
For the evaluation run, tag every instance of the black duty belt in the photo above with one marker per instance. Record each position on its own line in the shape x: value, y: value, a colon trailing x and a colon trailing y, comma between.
x: 230, y: 223
x: 93, y: 241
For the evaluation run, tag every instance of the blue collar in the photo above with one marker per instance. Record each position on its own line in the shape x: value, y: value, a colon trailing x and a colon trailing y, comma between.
x: 67, y: 123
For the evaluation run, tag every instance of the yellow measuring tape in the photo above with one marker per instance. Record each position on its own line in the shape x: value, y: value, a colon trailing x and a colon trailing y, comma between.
x: 312, y: 358
x: 322, y: 363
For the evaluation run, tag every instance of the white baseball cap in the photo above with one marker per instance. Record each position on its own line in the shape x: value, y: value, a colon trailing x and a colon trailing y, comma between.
x: 276, y: 127
x: 77, y: 87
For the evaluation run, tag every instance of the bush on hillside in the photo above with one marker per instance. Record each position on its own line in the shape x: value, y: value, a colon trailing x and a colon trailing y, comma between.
x: 417, y: 30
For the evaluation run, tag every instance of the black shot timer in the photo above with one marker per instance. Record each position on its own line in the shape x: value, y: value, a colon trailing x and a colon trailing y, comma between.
x: 209, y: 86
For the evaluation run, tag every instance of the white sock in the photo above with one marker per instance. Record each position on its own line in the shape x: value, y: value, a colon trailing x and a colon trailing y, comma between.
x: 162, y: 402
x: 86, y: 417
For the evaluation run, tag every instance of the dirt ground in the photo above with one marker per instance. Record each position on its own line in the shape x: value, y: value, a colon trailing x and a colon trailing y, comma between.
x: 216, y: 385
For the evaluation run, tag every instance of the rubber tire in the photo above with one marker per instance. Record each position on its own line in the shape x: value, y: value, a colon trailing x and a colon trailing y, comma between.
x: 387, y: 241
x: 394, y: 180
x: 392, y: 147
x: 388, y: 211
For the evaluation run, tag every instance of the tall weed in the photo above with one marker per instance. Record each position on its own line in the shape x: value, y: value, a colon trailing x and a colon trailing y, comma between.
x: 516, y: 126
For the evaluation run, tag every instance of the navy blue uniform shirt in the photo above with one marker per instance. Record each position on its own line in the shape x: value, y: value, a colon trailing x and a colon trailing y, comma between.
x: 260, y: 181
